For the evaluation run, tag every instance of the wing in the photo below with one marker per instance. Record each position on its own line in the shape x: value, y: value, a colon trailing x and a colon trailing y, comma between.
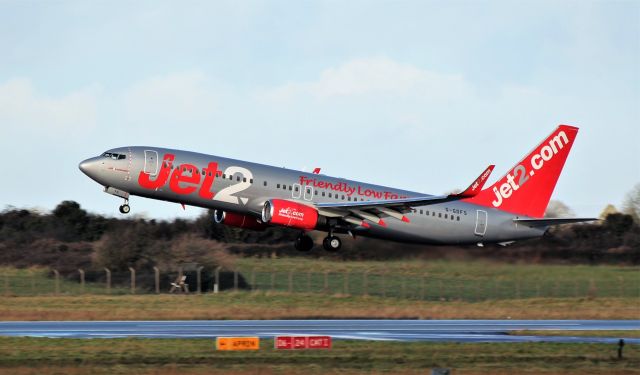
x: 357, y: 211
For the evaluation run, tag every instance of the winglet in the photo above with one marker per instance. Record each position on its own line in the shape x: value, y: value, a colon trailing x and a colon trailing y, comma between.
x: 477, y: 185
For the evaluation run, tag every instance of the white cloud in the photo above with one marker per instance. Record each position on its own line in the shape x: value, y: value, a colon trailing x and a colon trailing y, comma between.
x: 21, y: 107
x: 373, y: 76
x: 173, y: 98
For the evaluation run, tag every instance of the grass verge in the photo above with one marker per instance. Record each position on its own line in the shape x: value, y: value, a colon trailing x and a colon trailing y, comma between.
x: 168, y: 356
x: 259, y: 305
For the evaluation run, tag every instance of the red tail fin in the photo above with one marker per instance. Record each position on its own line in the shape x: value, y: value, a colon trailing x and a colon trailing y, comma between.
x: 527, y: 187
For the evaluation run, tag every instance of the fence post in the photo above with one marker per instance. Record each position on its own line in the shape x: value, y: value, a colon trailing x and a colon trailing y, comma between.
x: 384, y: 284
x: 621, y: 279
x: 81, y: 271
x: 273, y: 280
x: 290, y: 281
x: 199, y: 278
x: 133, y: 280
x: 235, y: 280
x: 216, y: 286
x: 404, y: 287
x: 108, y: 271
x: 346, y: 282
x: 57, y: 281
x: 253, y: 280
x: 33, y: 282
x: 593, y: 291
x: 365, y: 283
x: 326, y: 281
x: 156, y: 279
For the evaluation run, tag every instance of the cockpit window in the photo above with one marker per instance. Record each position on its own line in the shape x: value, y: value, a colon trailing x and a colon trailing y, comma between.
x: 114, y: 156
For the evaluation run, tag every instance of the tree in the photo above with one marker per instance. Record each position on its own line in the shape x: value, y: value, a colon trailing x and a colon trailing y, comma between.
x: 631, y: 203
x: 609, y: 210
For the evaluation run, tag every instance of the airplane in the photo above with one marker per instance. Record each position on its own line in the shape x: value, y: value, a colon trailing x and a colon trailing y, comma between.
x: 255, y: 196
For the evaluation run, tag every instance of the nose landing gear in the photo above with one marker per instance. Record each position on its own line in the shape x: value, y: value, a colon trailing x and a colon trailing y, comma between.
x: 124, y: 209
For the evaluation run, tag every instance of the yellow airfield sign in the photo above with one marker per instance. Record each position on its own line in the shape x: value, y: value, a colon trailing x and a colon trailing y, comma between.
x: 237, y: 343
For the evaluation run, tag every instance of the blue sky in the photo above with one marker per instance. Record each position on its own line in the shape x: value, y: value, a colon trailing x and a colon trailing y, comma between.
x: 419, y: 95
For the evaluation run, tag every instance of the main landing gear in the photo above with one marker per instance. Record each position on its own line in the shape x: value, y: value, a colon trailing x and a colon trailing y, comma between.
x: 305, y: 243
x: 124, y: 209
x: 331, y: 243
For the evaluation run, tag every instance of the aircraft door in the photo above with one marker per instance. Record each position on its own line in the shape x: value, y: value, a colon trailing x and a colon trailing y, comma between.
x: 308, y: 193
x: 481, y: 222
x: 151, y: 162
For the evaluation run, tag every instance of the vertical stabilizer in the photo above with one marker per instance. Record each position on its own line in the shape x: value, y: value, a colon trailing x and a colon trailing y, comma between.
x: 526, y: 189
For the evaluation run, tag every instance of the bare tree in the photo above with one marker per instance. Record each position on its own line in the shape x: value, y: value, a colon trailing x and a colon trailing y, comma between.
x: 631, y: 203
x: 558, y: 209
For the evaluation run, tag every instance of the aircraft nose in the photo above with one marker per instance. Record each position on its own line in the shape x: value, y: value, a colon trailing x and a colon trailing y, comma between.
x: 87, y: 166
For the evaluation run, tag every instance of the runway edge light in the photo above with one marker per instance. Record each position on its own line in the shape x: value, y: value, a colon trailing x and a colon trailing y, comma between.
x: 237, y: 343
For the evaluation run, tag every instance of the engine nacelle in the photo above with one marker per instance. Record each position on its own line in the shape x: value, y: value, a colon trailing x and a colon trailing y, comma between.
x: 289, y: 214
x: 237, y: 220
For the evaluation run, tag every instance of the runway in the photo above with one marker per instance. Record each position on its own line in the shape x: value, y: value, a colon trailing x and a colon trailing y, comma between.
x: 395, y: 330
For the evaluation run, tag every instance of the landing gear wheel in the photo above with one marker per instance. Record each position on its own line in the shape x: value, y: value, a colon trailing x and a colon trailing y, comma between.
x: 124, y: 209
x: 331, y: 243
x: 304, y: 243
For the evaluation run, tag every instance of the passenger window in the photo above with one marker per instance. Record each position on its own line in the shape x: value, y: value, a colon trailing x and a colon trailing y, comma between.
x: 290, y: 188
x: 296, y: 188
x: 343, y: 197
x: 446, y: 216
x: 244, y: 179
x: 349, y: 198
x: 264, y: 183
x: 420, y: 212
x: 329, y: 195
x: 277, y: 186
x: 238, y: 178
x: 224, y: 175
x: 458, y: 218
x: 439, y: 214
x: 316, y: 193
x: 251, y: 181
x: 323, y: 193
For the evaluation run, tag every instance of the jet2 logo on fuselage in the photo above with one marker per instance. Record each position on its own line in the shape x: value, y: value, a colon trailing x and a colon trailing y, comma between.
x: 186, y: 179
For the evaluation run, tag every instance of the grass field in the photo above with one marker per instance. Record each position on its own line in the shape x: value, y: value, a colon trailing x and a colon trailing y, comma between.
x: 167, y: 356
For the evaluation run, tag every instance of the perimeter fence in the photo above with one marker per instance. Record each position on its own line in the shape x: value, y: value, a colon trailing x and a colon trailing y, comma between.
x: 199, y: 280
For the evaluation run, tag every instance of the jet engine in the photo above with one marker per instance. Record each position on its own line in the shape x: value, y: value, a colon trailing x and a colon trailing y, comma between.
x: 289, y: 214
x: 237, y: 220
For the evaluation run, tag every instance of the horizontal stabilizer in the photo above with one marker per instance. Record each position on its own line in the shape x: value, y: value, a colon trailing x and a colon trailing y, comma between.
x: 545, y: 222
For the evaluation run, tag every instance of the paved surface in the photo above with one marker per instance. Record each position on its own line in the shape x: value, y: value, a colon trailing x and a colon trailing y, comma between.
x: 399, y: 330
